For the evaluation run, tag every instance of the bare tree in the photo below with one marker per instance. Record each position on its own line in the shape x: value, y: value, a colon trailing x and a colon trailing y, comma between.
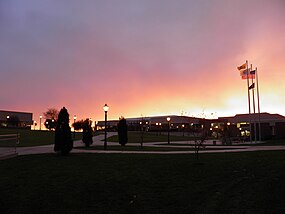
x: 51, y: 113
x: 226, y: 135
x: 199, y: 142
x: 200, y: 134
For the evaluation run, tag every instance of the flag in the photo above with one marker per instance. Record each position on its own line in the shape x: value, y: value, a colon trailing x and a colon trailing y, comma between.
x: 243, y: 72
x: 246, y: 73
x: 251, y: 87
x: 243, y: 66
x: 244, y: 77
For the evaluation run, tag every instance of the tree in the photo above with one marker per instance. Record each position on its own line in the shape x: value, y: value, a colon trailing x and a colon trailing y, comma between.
x: 123, y: 131
x: 226, y: 135
x: 51, y: 117
x: 78, y: 125
x: 199, y: 143
x: 87, y: 133
x: 50, y: 124
x: 200, y: 134
x: 51, y: 113
x: 63, y: 138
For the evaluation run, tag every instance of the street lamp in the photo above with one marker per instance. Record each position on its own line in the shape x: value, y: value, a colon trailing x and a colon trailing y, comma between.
x: 8, y: 117
x: 35, y: 124
x: 168, y: 120
x: 183, y: 127
x: 105, y: 108
x: 41, y: 122
x: 74, y: 120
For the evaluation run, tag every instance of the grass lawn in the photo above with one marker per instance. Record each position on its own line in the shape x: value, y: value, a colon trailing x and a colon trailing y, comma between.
x: 273, y: 143
x: 267, y: 143
x: 33, y: 137
x: 250, y: 182
x: 145, y: 148
x: 135, y: 137
x: 186, y: 144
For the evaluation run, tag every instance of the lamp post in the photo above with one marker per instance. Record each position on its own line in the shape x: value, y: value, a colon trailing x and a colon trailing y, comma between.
x: 168, y: 120
x: 105, y: 108
x: 8, y: 117
x: 35, y: 124
x: 41, y: 122
x: 74, y: 120
x: 142, y: 131
x: 183, y: 127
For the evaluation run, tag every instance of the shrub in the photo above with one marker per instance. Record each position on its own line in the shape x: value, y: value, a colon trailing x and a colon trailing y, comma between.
x: 123, y: 131
x: 87, y: 133
x: 63, y: 139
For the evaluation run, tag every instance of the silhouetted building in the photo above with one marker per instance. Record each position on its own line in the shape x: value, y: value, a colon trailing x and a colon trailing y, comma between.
x: 236, y: 127
x: 272, y: 125
x: 158, y: 123
x: 15, y: 119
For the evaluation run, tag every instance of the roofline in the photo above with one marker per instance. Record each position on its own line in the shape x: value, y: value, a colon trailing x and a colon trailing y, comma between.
x: 16, y: 112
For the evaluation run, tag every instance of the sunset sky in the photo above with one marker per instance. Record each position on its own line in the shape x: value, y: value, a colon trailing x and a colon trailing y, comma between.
x: 141, y: 57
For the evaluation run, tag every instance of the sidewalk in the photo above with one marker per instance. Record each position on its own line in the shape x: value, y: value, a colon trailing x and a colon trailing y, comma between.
x: 97, y: 141
x: 49, y: 148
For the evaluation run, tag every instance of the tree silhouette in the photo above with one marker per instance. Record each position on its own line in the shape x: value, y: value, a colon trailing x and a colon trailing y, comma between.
x: 200, y: 135
x: 50, y: 124
x: 51, y: 117
x: 199, y: 143
x: 123, y: 131
x: 87, y: 133
x: 63, y: 139
x: 78, y: 125
x: 51, y: 113
x: 226, y: 135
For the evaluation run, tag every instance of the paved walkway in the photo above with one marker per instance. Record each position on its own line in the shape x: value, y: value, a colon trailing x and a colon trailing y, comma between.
x: 97, y: 141
x: 49, y: 148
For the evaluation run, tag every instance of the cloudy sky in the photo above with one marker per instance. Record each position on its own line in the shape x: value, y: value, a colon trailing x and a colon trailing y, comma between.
x: 141, y: 57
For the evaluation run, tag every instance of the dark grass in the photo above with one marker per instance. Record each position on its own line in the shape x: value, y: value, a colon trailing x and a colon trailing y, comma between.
x: 130, y: 148
x: 144, y: 148
x: 32, y: 137
x: 192, y: 144
x: 135, y: 137
x: 280, y: 142
x: 116, y: 183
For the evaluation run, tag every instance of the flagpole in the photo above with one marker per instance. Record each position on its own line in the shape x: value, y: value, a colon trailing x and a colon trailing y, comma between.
x: 248, y: 95
x: 253, y: 100
x: 258, y: 104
